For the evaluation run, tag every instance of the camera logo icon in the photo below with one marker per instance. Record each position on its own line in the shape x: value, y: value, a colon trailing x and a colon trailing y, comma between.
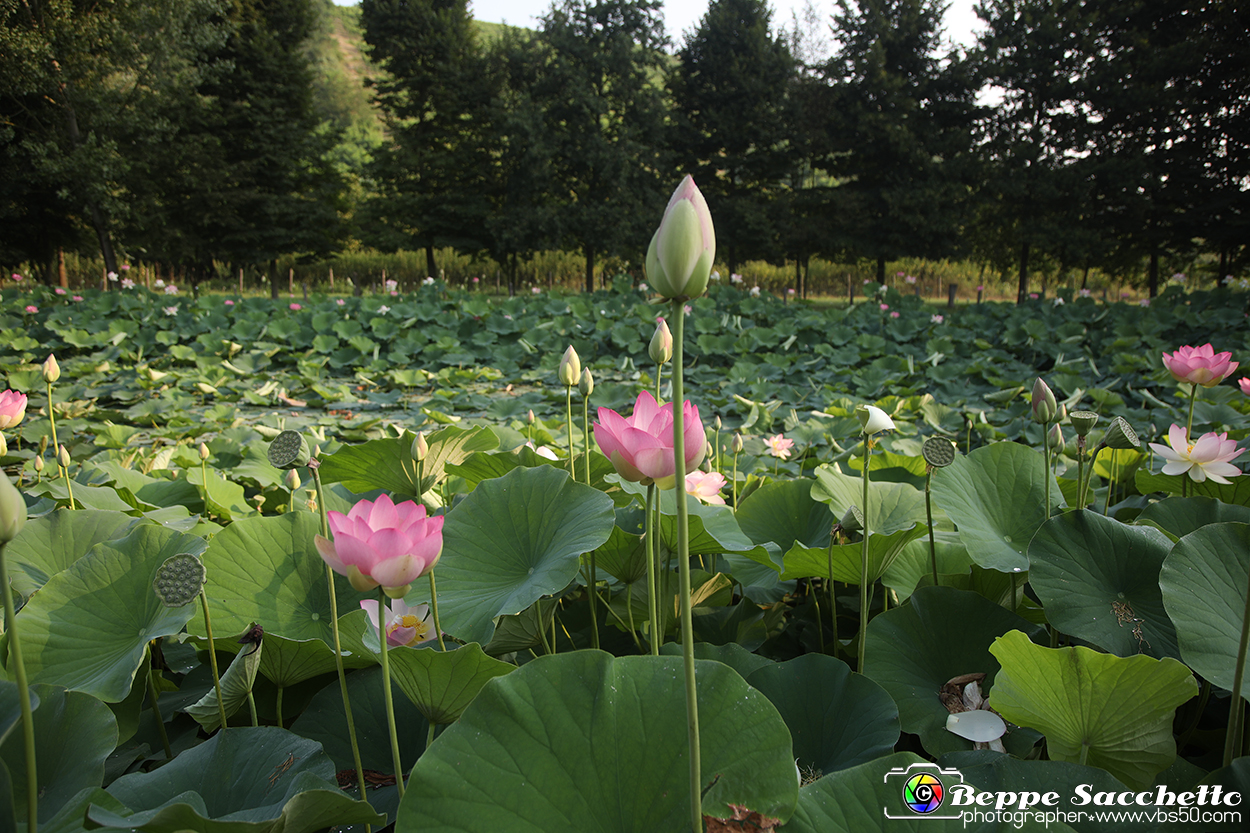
x: 922, y: 789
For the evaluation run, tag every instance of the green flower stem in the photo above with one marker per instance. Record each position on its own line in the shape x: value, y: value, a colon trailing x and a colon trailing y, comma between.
x: 204, y: 475
x: 734, y: 482
x: 542, y: 634
x: 568, y: 424
x: 429, y: 735
x: 1189, y: 421
x: 820, y: 629
x: 659, y: 377
x: 928, y: 514
x: 1106, y: 507
x: 629, y: 611
x: 586, y: 434
x: 434, y: 609
x: 23, y: 691
x: 334, y: 629
x: 864, y: 599
x: 1046, y: 456
x: 1236, y: 716
x: 69, y: 484
x: 251, y: 707
x: 212, y: 657
x: 683, y: 566
x: 386, y: 696
x: 56, y: 446
x: 1080, y: 473
x: 594, y: 573
x: 279, y: 706
x: 653, y: 599
x: 716, y: 432
x: 833, y: 600
x: 156, y: 713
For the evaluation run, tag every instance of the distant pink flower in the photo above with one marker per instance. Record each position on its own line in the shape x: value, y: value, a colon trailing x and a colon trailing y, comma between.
x: 59, y: 291
x: 1199, y: 365
x: 12, y: 408
x: 1085, y: 293
x: 171, y: 310
x: 340, y: 301
x: 1244, y: 384
x: 76, y: 298
x: 755, y: 292
x: 127, y: 283
x: 171, y: 290
x: 791, y: 291
x: 910, y: 279
x: 687, y: 309
x: 475, y: 280
x: 779, y: 446
x: 229, y: 302
x: 296, y: 307
x: 642, y: 287
x: 706, y: 486
x: 1032, y: 296
x: 125, y: 267
x: 641, y: 446
x: 384, y: 309
x: 734, y: 277
x: 1144, y: 302
x: 383, y: 543
x: 937, y: 318
x: 535, y: 290
x: 885, y: 307
x: 894, y: 314
x: 158, y: 283
x: 406, y: 627
x: 31, y: 308
x: 981, y: 288
x: 17, y: 277
x: 1208, y: 458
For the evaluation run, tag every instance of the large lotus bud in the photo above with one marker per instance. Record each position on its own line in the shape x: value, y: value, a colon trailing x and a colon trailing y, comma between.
x: 12, y: 510
x: 570, y: 371
x: 420, y: 447
x: 679, y: 259
x: 661, y: 348
x: 51, y: 370
x: 1045, y: 408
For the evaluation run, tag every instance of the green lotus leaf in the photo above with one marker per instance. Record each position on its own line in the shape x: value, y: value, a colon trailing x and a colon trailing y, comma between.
x: 513, y: 540
x: 236, y: 684
x: 50, y: 544
x: 1096, y: 709
x: 785, y: 513
x: 891, y: 506
x: 1099, y: 580
x: 1179, y: 516
x: 388, y: 463
x: 803, y: 562
x: 442, y: 684
x: 586, y: 741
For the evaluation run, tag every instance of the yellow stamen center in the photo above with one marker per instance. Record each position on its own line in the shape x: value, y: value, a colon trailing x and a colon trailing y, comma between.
x: 410, y: 621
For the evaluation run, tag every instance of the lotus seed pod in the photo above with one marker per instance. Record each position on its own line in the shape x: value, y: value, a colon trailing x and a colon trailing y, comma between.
x: 852, y: 519
x: 62, y: 457
x: 1045, y: 408
x: 51, y: 370
x: 570, y: 370
x: 289, y: 450
x: 420, y: 447
x: 1083, y: 422
x: 938, y: 452
x: 661, y: 347
x: 586, y: 386
x: 736, y: 445
x: 12, y: 510
x: 1055, y: 437
x: 179, y: 580
x: 1120, y: 435
x: 204, y: 453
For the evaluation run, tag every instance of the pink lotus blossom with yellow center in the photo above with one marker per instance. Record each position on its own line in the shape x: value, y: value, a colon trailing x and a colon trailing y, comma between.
x: 706, y: 486
x: 641, y: 446
x: 406, y: 627
x: 779, y: 446
x: 1207, y: 459
x: 1199, y: 365
x: 383, y: 543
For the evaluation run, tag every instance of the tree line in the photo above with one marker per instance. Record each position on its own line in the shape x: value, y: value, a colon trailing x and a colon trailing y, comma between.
x: 1078, y: 134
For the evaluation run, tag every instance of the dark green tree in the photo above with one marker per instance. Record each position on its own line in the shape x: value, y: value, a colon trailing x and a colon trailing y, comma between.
x: 901, y: 130
x: 435, y: 93
x: 731, y: 129
x: 603, y: 104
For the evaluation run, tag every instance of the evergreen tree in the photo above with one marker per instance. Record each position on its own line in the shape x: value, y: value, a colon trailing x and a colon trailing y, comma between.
x: 731, y: 129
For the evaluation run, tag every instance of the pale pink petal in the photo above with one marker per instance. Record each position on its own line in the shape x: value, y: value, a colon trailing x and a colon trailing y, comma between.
x: 1178, y: 439
x: 396, y: 572
x: 371, y: 608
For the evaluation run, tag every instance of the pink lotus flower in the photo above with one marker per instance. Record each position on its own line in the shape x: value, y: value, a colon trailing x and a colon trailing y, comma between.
x: 1244, y: 384
x: 296, y: 307
x: 16, y: 277
x: 59, y: 291
x: 641, y: 447
x: 171, y: 290
x: 76, y: 298
x: 980, y: 287
x: 340, y: 301
x: 12, y: 408
x: 885, y: 307
x: 910, y: 279
x: 1208, y: 458
x: 1199, y: 365
x: 779, y: 446
x: 706, y: 486
x: 382, y: 543
x: 229, y: 302
x: 406, y: 627
x: 32, y: 309
x: 1033, y: 296
x: 895, y: 314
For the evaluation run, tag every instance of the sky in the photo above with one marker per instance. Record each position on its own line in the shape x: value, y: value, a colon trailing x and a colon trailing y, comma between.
x: 683, y: 15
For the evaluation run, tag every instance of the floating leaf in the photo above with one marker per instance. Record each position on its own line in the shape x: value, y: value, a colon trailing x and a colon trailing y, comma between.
x: 442, y: 684
x: 1179, y: 516
x: 50, y: 544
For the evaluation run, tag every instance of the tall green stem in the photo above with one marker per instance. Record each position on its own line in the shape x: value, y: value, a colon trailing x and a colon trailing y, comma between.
x: 594, y: 573
x: 1046, y: 456
x: 653, y: 599
x: 153, y: 694
x: 212, y: 657
x: 833, y: 600
x: 56, y: 445
x: 315, y: 467
x: 586, y: 434
x: 734, y: 483
x: 863, y: 567
x: 928, y: 514
x: 23, y: 692
x: 683, y: 567
x: 438, y: 627
x: 568, y: 424
x: 1233, y: 739
x: 386, y: 695
x: 1189, y: 421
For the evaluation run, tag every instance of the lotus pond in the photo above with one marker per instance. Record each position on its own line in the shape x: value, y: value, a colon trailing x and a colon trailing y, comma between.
x: 1015, y: 554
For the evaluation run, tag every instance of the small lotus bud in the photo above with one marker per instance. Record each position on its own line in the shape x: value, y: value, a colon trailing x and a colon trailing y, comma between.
x: 587, y: 384
x: 204, y: 452
x: 1055, y: 438
x: 12, y: 510
x: 1120, y: 435
x: 661, y: 348
x: 1063, y: 413
x: 1045, y: 408
x: 289, y: 450
x: 420, y: 447
x: 529, y: 417
x: 716, y: 423
x: 43, y: 444
x: 570, y: 370
x: 51, y: 370
x: 873, y: 419
x: 1083, y: 422
x: 736, y: 445
x: 39, y: 464
x: 62, y: 457
x: 291, y: 480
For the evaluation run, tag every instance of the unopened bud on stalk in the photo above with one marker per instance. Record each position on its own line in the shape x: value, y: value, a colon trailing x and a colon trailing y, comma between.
x: 291, y: 480
x: 661, y: 348
x: 62, y: 457
x: 39, y: 464
x: 529, y: 417
x: 204, y: 453
x: 736, y: 445
x: 1045, y: 408
x: 587, y: 384
x: 12, y: 510
x: 1055, y: 436
x: 570, y: 370
x: 716, y: 423
x: 420, y: 447
x: 51, y: 370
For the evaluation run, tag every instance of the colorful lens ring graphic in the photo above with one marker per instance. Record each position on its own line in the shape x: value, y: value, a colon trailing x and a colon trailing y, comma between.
x: 923, y: 793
